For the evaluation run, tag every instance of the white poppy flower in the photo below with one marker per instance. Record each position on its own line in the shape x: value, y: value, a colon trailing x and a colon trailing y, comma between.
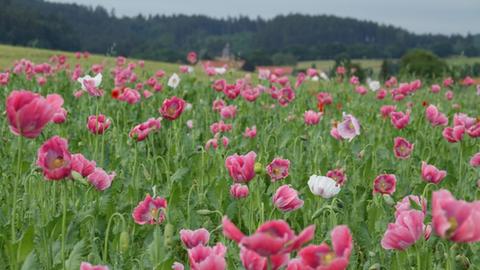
x: 315, y: 78
x: 324, y: 76
x: 323, y: 186
x: 97, y: 80
x: 220, y: 70
x: 174, y: 81
x: 373, y: 85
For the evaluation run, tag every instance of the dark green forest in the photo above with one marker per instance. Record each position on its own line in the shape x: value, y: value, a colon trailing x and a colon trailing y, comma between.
x: 72, y: 27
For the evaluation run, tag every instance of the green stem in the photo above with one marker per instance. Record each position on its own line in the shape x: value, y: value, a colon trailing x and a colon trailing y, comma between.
x: 14, y: 202
x: 64, y: 221
x: 107, y: 233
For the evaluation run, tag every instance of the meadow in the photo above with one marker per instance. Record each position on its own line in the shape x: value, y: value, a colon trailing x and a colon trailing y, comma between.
x: 267, y: 171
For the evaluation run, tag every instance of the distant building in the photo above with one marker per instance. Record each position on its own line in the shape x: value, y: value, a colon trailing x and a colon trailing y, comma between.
x: 226, y: 60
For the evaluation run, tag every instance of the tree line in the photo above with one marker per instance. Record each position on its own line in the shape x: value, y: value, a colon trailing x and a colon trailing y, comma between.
x: 284, y: 38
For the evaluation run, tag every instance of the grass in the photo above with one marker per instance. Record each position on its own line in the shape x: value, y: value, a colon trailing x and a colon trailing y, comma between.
x: 10, y: 54
x: 375, y: 64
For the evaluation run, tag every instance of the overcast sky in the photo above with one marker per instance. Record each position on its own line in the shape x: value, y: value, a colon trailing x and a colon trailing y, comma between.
x: 419, y: 16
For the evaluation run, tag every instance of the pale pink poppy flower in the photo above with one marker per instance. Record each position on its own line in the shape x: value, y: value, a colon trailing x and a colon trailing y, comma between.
x: 239, y: 191
x: 98, y: 124
x: 82, y: 165
x: 475, y: 160
x: 349, y: 128
x: 131, y: 96
x: 431, y: 174
x: 435, y: 117
x: 323, y: 257
x: 28, y: 113
x: 407, y: 229
x: 435, y: 88
x: 252, y: 261
x: 286, y: 199
x: 406, y: 204
x: 100, y: 179
x: 402, y: 148
x: 455, y: 220
x: 449, y: 95
x: 455, y: 134
x: 192, y: 239
x: 208, y: 258
x: 250, y: 132
x: 88, y: 266
x: 228, y: 112
x: 311, y: 117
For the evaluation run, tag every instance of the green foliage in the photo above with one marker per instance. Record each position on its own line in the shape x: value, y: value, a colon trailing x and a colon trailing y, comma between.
x: 284, y: 59
x: 422, y: 63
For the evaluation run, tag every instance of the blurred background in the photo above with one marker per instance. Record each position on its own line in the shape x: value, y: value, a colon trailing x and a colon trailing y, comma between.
x: 371, y: 35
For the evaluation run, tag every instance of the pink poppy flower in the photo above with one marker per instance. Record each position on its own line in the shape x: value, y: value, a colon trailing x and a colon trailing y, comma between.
x: 475, y: 160
x: 219, y: 85
x: 228, y: 112
x: 386, y: 110
x: 250, y: 94
x: 252, y: 261
x: 217, y: 105
x: 250, y: 132
x: 340, y: 70
x: 324, y: 98
x: 239, y: 191
x: 449, y: 95
x: 286, y: 199
x: 349, y: 128
x: 82, y: 165
x: 220, y: 127
x: 172, y: 108
x: 231, y: 91
x: 98, y: 124
x: 178, y: 266
x: 435, y: 88
x: 431, y: 174
x: 468, y: 81
x: 474, y: 131
x: 385, y: 184
x: 300, y: 79
x: 192, y: 239
x: 455, y: 220
x: 278, y: 169
x: 192, y: 57
x: 100, y: 179
x: 140, y: 132
x: 338, y: 175
x: 322, y: 257
x: 4, y: 78
x: 285, y: 96
x: 435, y: 117
x: 381, y: 94
x: 406, y: 204
x: 272, y: 238
x: 354, y: 80
x: 448, y: 82
x: 208, y: 258
x: 311, y: 117
x: 214, y: 142
x: 150, y: 211
x: 241, y: 168
x: 360, y: 89
x: 88, y: 266
x: 407, y: 229
x: 455, y: 134
x: 55, y: 159
x: 335, y: 134
x: 131, y: 96
x: 147, y: 94
x: 461, y: 119
x: 28, y: 113
x: 399, y: 119
x: 402, y: 148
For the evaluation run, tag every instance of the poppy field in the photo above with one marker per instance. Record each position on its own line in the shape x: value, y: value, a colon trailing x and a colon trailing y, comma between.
x: 120, y: 167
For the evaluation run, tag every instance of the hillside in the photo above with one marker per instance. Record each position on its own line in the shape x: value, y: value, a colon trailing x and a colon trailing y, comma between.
x: 70, y: 27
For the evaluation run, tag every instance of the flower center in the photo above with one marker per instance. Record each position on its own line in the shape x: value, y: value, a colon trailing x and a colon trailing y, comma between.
x: 328, y: 258
x: 453, y: 226
x: 58, y: 163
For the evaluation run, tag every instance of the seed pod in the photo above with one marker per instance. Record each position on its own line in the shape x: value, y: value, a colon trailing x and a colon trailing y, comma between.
x: 124, y: 241
x: 168, y: 235
x: 258, y: 167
